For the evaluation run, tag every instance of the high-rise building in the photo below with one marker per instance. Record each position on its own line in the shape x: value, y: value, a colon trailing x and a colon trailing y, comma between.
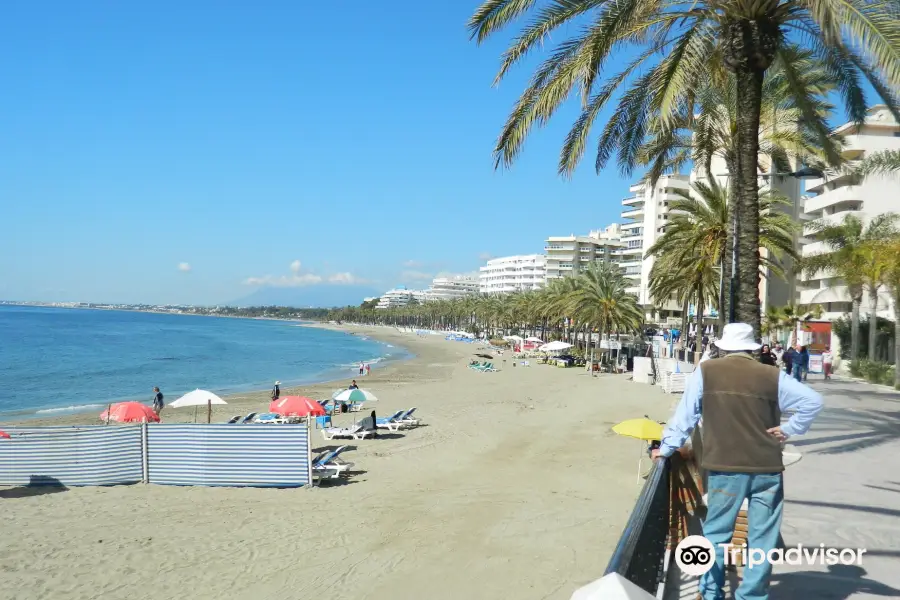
x: 646, y: 214
x: 400, y: 296
x: 512, y: 274
x: 838, y: 195
x: 572, y: 254
x: 451, y: 288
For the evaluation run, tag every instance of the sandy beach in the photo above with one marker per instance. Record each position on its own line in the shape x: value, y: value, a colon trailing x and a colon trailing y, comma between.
x: 515, y: 488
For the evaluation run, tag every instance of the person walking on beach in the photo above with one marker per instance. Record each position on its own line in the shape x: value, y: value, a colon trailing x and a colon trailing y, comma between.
x: 368, y: 369
x: 276, y: 391
x: 157, y: 401
x: 361, y: 369
x: 741, y: 402
x: 827, y: 362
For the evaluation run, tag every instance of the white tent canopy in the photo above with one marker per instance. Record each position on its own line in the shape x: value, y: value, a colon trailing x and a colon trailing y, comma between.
x: 197, y: 398
x: 513, y: 337
x: 534, y: 339
x: 555, y: 346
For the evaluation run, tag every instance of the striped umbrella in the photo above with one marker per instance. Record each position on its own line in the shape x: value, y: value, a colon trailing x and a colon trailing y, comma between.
x: 355, y: 396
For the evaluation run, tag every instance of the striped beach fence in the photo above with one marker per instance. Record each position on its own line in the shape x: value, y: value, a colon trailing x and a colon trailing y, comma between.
x: 228, y: 455
x: 71, y: 456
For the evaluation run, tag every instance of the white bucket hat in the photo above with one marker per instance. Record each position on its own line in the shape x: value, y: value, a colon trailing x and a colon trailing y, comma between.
x: 737, y: 337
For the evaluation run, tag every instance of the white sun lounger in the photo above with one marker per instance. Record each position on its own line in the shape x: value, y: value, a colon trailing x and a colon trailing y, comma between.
x: 409, y: 420
x: 356, y: 432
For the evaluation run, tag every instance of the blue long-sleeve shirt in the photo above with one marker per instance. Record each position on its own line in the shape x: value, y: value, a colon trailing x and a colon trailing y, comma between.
x: 792, y: 395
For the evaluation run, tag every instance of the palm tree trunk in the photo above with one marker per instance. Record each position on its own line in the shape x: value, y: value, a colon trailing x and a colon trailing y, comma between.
x: 723, y: 280
x: 873, y: 322
x: 854, y: 328
x: 748, y: 50
x: 897, y: 339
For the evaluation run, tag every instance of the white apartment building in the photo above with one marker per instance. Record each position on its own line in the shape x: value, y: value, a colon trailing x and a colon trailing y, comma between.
x: 646, y: 214
x: 572, y: 254
x: 835, y: 197
x: 400, y: 296
x: 512, y: 274
x: 451, y: 288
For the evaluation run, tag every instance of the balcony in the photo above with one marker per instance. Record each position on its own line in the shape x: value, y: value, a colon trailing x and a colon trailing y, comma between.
x: 632, y: 237
x: 629, y: 252
x: 835, y: 217
x: 821, y: 295
x: 848, y: 193
x: 633, y: 201
x: 633, y: 214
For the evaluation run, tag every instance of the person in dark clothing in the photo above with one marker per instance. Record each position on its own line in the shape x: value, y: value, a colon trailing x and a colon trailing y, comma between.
x: 276, y: 391
x: 804, y: 362
x: 788, y: 358
x: 353, y: 385
x: 157, y: 401
x: 766, y: 357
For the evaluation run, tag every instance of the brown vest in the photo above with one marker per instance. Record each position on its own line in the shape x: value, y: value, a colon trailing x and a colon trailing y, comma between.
x: 740, y: 402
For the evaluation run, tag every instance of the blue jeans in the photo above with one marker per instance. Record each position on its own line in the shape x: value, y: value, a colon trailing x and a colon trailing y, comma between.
x: 726, y: 494
x: 798, y: 372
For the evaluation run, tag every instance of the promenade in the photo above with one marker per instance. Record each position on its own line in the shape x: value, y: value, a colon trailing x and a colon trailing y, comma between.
x: 844, y: 493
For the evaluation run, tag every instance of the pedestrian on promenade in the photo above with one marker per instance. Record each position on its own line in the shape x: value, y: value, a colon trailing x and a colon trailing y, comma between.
x: 766, y: 356
x: 797, y: 363
x: 740, y: 402
x: 778, y: 351
x: 157, y: 401
x: 804, y: 362
x: 827, y: 362
x: 788, y: 358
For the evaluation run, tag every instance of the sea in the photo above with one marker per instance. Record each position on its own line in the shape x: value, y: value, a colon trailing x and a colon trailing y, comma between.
x: 63, y: 360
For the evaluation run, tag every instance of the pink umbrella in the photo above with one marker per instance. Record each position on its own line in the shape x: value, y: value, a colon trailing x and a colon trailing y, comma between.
x: 296, y: 406
x: 130, y: 412
x: 5, y: 435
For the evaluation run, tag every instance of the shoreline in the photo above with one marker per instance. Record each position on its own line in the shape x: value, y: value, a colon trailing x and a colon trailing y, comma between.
x: 244, y: 399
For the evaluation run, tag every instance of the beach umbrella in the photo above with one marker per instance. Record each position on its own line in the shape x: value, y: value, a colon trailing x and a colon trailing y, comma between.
x: 355, y: 396
x: 555, y: 347
x: 199, y: 398
x: 534, y: 339
x: 296, y: 406
x: 129, y: 412
x: 4, y: 435
x: 641, y: 429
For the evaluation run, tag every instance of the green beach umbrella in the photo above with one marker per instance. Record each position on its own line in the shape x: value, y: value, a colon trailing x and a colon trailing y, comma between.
x: 355, y: 396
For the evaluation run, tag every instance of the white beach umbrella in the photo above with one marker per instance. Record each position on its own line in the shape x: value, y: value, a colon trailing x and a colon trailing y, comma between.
x: 513, y: 337
x: 357, y: 395
x: 534, y: 339
x: 555, y: 346
x: 197, y: 398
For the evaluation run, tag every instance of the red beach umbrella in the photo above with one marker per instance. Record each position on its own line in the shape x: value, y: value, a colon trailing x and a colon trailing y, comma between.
x: 5, y: 435
x: 130, y: 412
x: 296, y: 406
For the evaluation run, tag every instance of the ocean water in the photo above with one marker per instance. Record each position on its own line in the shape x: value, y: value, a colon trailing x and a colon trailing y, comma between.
x: 55, y: 360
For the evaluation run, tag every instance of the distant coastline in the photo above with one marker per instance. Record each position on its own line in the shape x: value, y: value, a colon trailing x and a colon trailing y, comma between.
x: 271, y: 313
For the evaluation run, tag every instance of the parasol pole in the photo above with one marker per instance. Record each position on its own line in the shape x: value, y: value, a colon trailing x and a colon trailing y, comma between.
x: 108, y: 410
x: 209, y: 411
x: 640, y: 460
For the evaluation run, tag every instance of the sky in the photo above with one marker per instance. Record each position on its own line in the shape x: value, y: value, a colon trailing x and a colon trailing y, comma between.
x: 194, y: 152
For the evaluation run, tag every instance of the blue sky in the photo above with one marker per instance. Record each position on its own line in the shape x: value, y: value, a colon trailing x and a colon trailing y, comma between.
x: 172, y: 151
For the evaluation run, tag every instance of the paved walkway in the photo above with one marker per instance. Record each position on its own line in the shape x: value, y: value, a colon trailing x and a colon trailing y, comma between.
x: 844, y: 493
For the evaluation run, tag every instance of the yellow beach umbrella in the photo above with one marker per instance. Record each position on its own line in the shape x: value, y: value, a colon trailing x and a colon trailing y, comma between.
x: 642, y: 429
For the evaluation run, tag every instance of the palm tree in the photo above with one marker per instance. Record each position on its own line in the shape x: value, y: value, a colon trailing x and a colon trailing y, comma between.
x: 679, y: 44
x: 892, y: 281
x: 599, y: 300
x: 846, y: 258
x: 886, y: 162
x: 697, y: 235
x: 874, y: 267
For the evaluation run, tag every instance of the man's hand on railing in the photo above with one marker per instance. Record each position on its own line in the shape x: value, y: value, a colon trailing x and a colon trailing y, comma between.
x: 655, y: 455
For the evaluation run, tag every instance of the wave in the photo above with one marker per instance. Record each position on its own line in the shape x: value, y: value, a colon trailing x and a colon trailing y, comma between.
x: 371, y: 361
x: 77, y: 408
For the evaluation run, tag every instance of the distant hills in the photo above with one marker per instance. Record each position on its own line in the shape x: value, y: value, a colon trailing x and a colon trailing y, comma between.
x: 313, y: 296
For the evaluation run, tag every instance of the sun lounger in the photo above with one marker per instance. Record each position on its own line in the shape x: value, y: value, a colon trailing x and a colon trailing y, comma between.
x: 271, y: 418
x: 488, y: 368
x: 407, y: 418
x: 391, y: 423
x: 355, y: 407
x: 332, y: 460
x: 478, y: 365
x: 234, y: 419
x: 357, y: 432
x: 249, y: 418
x: 321, y: 472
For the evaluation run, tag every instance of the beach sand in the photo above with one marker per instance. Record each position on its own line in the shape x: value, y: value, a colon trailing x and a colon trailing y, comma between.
x: 516, y: 488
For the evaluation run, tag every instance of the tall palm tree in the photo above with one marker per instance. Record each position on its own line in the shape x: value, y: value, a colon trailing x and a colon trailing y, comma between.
x: 892, y: 281
x: 874, y: 267
x: 845, y: 257
x: 698, y: 232
x: 600, y: 301
x: 678, y: 44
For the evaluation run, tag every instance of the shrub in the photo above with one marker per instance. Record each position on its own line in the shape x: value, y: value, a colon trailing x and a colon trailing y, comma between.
x: 873, y: 371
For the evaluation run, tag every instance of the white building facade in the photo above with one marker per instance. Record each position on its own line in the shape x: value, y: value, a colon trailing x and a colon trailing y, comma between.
x: 451, y: 288
x: 646, y: 213
x: 833, y: 198
x: 512, y: 274
x: 570, y: 255
x: 399, y: 297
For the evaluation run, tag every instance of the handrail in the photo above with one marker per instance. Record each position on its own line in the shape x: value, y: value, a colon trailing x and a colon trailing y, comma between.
x: 640, y: 552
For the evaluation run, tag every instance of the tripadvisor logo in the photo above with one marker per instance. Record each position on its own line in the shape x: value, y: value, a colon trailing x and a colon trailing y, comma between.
x: 695, y: 555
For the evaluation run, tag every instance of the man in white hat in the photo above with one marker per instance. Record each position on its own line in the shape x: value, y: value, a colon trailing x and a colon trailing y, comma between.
x: 741, y: 401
